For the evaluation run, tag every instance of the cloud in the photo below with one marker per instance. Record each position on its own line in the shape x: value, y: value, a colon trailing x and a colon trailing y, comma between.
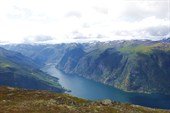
x: 136, y: 10
x: 96, y: 19
x: 152, y: 32
x: 76, y: 32
x: 158, y: 31
x: 100, y: 36
x: 4, y: 42
x: 85, y: 25
x: 19, y: 13
x: 73, y: 14
x: 101, y: 10
x: 26, y: 14
x: 78, y: 35
x: 43, y: 38
x: 38, y: 39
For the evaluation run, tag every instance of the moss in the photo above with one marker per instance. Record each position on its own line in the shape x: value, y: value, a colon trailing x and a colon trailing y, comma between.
x: 14, y: 100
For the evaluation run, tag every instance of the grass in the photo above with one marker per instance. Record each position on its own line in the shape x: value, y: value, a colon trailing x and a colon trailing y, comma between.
x: 145, y: 48
x: 95, y: 53
x: 21, y: 70
x: 13, y: 100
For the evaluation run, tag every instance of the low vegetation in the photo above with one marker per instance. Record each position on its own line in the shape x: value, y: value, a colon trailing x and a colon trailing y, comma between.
x: 14, y: 100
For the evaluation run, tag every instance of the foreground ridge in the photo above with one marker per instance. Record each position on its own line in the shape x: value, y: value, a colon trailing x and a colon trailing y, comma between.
x: 14, y: 100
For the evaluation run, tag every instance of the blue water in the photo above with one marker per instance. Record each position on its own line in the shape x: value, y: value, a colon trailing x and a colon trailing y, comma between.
x: 92, y: 90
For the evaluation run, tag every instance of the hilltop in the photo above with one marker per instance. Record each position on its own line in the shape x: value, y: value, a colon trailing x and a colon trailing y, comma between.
x: 14, y: 100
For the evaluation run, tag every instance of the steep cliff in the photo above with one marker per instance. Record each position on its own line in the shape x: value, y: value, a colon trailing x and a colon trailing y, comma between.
x: 130, y: 67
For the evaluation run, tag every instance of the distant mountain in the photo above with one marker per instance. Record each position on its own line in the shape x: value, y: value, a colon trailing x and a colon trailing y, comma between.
x: 14, y: 100
x: 19, y: 71
x: 134, y: 65
x: 71, y: 58
x: 167, y: 40
x: 41, y: 54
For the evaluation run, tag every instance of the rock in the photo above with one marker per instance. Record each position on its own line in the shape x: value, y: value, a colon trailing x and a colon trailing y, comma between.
x: 106, y: 102
x: 11, y: 88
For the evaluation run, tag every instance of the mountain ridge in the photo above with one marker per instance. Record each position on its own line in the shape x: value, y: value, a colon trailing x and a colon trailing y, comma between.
x: 130, y: 65
x: 20, y: 71
x: 127, y: 67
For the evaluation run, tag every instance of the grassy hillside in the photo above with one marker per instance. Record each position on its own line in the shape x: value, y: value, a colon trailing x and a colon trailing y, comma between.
x: 20, y: 71
x: 130, y: 48
x: 14, y: 100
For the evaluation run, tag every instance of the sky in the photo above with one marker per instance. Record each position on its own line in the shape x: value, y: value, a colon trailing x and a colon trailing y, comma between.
x: 55, y: 21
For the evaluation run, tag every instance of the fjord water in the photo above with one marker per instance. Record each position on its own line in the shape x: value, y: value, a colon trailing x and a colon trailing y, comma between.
x: 92, y: 90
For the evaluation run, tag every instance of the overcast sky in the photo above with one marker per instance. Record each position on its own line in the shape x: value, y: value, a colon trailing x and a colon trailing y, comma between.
x: 83, y: 20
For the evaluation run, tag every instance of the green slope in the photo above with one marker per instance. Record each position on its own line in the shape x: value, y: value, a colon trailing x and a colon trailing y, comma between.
x: 14, y: 100
x: 20, y: 71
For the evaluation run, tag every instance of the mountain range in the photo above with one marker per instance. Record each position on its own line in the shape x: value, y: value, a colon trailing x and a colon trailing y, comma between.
x: 130, y: 65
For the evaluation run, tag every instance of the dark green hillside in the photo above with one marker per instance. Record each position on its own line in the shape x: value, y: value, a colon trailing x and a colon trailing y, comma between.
x: 19, y: 71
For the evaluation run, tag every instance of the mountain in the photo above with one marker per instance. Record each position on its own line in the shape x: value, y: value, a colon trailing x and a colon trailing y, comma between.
x: 166, y: 40
x: 134, y: 65
x: 71, y: 58
x: 19, y: 71
x: 13, y: 100
x: 41, y: 54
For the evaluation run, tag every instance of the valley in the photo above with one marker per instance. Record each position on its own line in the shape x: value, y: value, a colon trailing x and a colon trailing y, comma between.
x: 84, y: 56
x: 131, y: 69
x: 92, y: 90
x: 133, y: 66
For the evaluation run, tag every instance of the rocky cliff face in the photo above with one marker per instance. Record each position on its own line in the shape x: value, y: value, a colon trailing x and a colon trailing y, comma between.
x: 133, y: 68
x: 70, y: 59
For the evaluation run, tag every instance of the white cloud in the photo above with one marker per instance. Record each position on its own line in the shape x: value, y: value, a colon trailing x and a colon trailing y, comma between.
x: 73, y: 14
x: 95, y: 19
x: 102, y: 10
x: 138, y: 10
